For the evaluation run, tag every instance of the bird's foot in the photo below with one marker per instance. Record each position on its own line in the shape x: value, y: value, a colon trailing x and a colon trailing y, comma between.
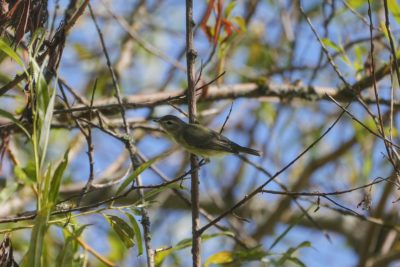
x: 204, y: 161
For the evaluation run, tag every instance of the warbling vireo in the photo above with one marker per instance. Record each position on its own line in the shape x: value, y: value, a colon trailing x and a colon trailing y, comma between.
x: 200, y: 140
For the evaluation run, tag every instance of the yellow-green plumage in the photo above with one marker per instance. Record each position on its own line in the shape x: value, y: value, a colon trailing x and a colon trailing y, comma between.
x: 200, y: 140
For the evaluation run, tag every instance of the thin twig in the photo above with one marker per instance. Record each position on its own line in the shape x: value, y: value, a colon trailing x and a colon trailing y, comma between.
x: 362, y: 124
x: 130, y: 146
x: 330, y: 59
x: 226, y: 119
x: 281, y: 185
x: 392, y: 46
x: 381, y: 127
x: 87, y: 133
x: 246, y: 198
x: 147, y: 46
x: 203, y: 212
x: 94, y: 252
x: 321, y: 194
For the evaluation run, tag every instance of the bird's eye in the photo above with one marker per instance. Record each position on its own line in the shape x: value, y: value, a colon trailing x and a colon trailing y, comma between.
x: 169, y: 122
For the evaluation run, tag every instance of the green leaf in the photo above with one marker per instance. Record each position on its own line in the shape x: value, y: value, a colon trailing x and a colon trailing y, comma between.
x: 138, y: 171
x: 36, y: 40
x: 123, y: 230
x: 394, y: 8
x: 297, y: 261
x: 57, y: 177
x: 36, y: 245
x: 329, y: 43
x: 229, y: 8
x: 266, y: 112
x: 356, y: 3
x: 8, y: 191
x: 149, y: 195
x: 66, y: 256
x: 281, y: 236
x: 44, y: 188
x: 253, y: 254
x: 185, y: 243
x: 288, y: 254
x: 240, y: 22
x: 45, y: 130
x: 10, y: 52
x: 83, y: 52
x: 221, y: 257
x: 40, y: 87
x: 136, y: 230
x: 9, y: 116
x: 26, y: 175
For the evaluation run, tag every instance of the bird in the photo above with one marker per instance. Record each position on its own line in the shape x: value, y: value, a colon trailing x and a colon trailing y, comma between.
x: 200, y: 140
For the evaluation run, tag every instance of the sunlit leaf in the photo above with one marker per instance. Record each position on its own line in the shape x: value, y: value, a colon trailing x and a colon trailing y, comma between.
x: 229, y: 9
x: 220, y: 258
x: 356, y: 3
x: 183, y: 244
x: 394, y: 8
x: 26, y: 175
x: 329, y: 43
x: 10, y: 52
x: 240, y: 22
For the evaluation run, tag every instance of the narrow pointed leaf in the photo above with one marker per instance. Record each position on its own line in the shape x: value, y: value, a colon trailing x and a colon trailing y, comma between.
x: 10, y: 52
x: 9, y: 116
x: 138, y: 171
x: 138, y: 235
x: 123, y: 230
x: 57, y: 177
x: 221, y: 257
x: 45, y: 130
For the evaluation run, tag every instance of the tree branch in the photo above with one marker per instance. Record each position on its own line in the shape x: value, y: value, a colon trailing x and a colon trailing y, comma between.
x: 263, y: 91
x: 191, y: 100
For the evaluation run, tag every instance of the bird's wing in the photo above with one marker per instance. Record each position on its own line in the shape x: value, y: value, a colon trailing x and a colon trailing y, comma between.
x: 203, y: 138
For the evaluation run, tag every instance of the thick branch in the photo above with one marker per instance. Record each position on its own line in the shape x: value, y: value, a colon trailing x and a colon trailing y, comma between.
x: 282, y: 92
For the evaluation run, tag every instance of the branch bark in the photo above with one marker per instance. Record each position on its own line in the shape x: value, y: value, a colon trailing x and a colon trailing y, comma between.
x: 191, y: 98
x: 130, y: 146
x: 263, y: 91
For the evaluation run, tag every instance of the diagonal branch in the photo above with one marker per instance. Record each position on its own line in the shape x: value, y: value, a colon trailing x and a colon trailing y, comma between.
x: 130, y: 146
x: 259, y: 189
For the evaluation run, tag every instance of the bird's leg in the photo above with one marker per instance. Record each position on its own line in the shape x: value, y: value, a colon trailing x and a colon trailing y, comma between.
x: 204, y: 161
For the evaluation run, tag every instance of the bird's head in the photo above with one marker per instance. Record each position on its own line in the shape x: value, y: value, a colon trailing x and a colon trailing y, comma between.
x: 171, y: 124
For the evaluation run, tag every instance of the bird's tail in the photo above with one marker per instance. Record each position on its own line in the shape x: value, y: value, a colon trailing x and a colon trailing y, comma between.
x: 249, y: 151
